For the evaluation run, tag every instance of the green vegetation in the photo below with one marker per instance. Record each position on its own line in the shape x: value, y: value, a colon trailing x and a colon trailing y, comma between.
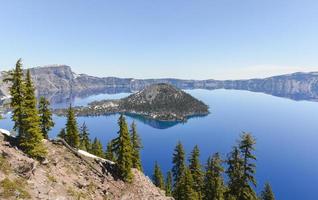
x: 14, y: 189
x: 196, y: 171
x: 46, y: 121
x: 122, y: 148
x: 267, y: 193
x: 191, y: 182
x: 168, y: 184
x: 4, y: 165
x: 109, y: 151
x: 62, y: 134
x: 97, y: 148
x: 157, y: 177
x: 25, y: 114
x: 72, y: 135
x: 214, y: 187
x: 85, y: 142
x: 136, y: 146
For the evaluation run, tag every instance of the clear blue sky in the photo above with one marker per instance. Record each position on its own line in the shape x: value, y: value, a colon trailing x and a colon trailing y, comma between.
x: 162, y: 38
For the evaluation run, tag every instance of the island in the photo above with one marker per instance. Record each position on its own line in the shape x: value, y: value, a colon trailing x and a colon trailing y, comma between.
x: 161, y: 101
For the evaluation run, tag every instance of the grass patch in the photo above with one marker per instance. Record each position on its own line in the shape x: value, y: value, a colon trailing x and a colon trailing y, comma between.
x: 4, y: 165
x: 51, y: 178
x: 13, y: 188
x: 78, y: 195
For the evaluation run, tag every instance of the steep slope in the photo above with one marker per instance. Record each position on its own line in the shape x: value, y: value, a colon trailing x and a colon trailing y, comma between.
x: 66, y: 175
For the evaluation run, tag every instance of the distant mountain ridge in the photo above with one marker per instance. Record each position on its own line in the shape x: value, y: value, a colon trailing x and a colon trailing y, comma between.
x: 60, y: 80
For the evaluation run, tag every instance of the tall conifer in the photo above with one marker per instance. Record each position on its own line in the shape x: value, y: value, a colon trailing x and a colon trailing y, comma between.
x: 267, y: 193
x: 178, y: 161
x: 157, y: 177
x: 46, y: 121
x: 168, y: 184
x: 31, y: 139
x: 184, y: 187
x: 123, y: 150
x: 72, y: 136
x: 97, y: 148
x: 136, y: 146
x: 17, y: 92
x: 196, y: 170
x: 109, y: 154
x: 85, y: 142
x: 214, y: 187
x: 247, y: 146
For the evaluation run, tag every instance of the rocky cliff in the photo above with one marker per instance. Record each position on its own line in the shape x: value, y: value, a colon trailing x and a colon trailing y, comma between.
x: 66, y: 176
x: 60, y: 83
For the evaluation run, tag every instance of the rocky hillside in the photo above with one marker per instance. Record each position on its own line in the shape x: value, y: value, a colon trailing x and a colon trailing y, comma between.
x: 60, y: 82
x: 159, y: 102
x: 66, y: 176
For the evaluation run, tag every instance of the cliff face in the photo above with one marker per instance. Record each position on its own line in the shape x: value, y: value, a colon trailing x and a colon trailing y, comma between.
x: 66, y: 176
x: 60, y: 82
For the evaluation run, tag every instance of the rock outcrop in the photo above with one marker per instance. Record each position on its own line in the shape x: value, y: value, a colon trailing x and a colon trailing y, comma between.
x: 65, y: 175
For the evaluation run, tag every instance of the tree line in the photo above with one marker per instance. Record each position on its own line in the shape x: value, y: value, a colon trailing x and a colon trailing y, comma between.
x: 192, y: 181
x: 186, y: 181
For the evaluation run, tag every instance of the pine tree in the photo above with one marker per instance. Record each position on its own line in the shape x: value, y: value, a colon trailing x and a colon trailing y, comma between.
x: 234, y: 173
x: 157, y: 177
x: 45, y: 117
x: 178, y: 161
x: 85, y: 142
x: 184, y: 188
x: 123, y: 150
x: 109, y: 155
x: 168, y: 184
x: 62, y: 134
x: 97, y: 148
x: 196, y: 170
x: 72, y: 136
x: 247, y: 146
x: 17, y: 92
x: 214, y: 187
x: 136, y: 146
x: 267, y: 193
x: 31, y: 139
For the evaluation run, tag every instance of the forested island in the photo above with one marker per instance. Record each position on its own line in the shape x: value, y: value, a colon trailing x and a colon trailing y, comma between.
x: 161, y: 101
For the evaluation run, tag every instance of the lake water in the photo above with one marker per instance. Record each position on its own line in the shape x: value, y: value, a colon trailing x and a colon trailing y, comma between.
x: 286, y: 132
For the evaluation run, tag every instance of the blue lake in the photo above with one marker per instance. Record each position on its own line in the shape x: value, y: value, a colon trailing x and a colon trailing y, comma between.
x: 286, y: 132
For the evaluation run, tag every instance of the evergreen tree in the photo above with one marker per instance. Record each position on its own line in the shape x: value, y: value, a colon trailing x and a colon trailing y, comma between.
x: 97, y: 148
x: 17, y: 92
x: 123, y: 150
x: 267, y: 193
x: 31, y: 139
x: 184, y: 187
x: 168, y: 184
x: 214, y: 187
x: 85, y: 142
x: 234, y: 173
x: 247, y: 146
x: 62, y: 134
x: 72, y: 136
x: 196, y: 170
x: 136, y: 146
x: 45, y: 116
x: 157, y: 177
x: 109, y: 151
x: 178, y: 161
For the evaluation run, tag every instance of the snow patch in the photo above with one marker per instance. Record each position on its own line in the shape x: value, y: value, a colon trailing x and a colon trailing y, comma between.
x: 85, y: 153
x: 6, y: 132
